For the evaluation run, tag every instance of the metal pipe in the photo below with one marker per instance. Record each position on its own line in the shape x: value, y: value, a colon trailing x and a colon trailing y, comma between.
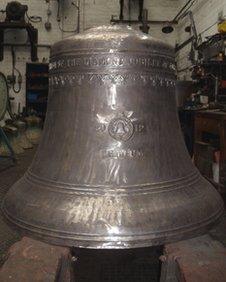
x: 136, y: 21
x: 78, y: 23
x: 182, y: 9
x: 185, y: 43
x: 145, y: 27
x: 77, y: 6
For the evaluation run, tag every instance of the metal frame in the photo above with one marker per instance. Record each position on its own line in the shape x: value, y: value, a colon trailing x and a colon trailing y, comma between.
x: 137, y: 21
x: 32, y: 34
x: 3, y: 136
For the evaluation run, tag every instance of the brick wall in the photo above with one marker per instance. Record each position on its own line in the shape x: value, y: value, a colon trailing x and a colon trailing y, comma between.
x: 93, y: 12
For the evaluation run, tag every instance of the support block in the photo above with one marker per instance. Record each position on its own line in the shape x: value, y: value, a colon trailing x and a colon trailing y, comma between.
x: 31, y: 260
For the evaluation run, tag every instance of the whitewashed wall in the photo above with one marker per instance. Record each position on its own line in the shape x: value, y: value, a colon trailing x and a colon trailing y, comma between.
x: 206, y: 16
x: 93, y: 13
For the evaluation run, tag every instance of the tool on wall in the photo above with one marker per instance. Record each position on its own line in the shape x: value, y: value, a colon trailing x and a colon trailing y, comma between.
x: 13, y: 76
x: 59, y: 17
x: 48, y: 25
x: 15, y: 19
x: 145, y: 27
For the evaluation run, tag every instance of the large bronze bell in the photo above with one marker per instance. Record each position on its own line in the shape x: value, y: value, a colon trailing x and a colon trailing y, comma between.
x: 112, y: 170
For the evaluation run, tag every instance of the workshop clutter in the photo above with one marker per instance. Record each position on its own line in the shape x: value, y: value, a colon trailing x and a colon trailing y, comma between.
x: 22, y: 134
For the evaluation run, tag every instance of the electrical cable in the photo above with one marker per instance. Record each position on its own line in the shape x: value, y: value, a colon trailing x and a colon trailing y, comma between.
x: 34, y: 19
x: 66, y: 31
x: 48, y: 24
x: 58, y: 11
x: 77, y: 6
x: 13, y: 73
x: 187, y: 6
x: 186, y: 12
x: 208, y: 27
x: 58, y: 19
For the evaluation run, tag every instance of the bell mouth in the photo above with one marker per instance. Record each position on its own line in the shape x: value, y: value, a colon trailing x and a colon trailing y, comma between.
x: 167, y: 29
x: 58, y: 224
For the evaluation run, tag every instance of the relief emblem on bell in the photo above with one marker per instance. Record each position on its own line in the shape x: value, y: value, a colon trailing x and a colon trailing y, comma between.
x: 121, y: 128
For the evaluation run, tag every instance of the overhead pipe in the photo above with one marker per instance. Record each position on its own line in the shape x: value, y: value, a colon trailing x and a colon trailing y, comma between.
x: 168, y: 28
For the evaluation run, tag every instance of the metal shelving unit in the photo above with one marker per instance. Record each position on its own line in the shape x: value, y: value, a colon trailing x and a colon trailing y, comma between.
x: 37, y: 75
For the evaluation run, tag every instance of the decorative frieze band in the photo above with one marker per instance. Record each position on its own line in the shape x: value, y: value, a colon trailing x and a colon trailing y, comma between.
x: 119, y: 61
x: 73, y: 79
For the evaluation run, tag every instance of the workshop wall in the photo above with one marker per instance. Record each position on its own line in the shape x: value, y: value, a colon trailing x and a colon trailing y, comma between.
x: 93, y: 12
x: 206, y: 13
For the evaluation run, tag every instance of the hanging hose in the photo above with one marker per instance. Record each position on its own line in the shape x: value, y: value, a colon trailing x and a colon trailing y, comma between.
x: 19, y: 80
x: 77, y: 6
x: 34, y: 19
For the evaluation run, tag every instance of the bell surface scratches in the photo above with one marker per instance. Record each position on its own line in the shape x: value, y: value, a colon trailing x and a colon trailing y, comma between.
x: 112, y: 170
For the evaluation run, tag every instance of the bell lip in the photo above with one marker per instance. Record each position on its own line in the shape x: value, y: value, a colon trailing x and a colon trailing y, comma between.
x: 91, y: 242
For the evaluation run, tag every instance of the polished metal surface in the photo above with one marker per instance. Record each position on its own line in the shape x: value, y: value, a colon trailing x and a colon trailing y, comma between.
x: 112, y: 170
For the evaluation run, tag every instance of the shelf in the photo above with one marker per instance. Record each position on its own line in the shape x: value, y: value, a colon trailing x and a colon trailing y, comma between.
x: 37, y: 102
x: 37, y: 89
x: 216, y: 63
x: 38, y: 75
